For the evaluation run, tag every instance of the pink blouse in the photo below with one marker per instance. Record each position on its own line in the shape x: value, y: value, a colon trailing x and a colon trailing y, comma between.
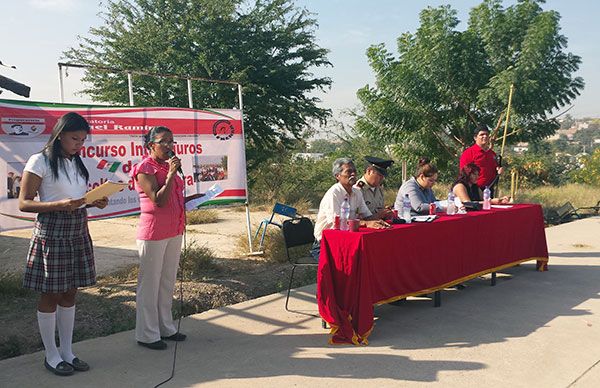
x: 159, y: 223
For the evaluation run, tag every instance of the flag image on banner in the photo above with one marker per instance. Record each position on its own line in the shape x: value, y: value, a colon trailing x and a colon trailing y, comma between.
x: 105, y: 164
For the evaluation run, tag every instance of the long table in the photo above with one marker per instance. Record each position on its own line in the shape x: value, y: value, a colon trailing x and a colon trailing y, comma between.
x: 358, y: 270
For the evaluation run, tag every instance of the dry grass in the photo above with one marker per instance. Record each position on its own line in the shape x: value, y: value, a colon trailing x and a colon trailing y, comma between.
x: 122, y: 275
x: 302, y: 206
x: 197, y: 260
x: 11, y: 285
x: 204, y: 216
x: 273, y: 247
x: 554, y: 196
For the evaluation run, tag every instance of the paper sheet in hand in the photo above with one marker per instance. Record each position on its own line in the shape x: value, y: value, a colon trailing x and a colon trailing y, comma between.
x: 212, y: 192
x: 106, y: 189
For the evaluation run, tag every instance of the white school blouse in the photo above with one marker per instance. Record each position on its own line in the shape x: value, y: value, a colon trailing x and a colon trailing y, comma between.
x: 69, y: 185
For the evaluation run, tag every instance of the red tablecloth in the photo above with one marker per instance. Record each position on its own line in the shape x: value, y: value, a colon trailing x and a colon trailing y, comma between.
x: 360, y: 269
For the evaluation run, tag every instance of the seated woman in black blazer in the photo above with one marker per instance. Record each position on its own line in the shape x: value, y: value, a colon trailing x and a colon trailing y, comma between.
x: 466, y: 189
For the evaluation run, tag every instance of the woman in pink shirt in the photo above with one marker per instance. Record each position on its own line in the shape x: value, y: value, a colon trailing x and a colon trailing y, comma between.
x: 159, y: 237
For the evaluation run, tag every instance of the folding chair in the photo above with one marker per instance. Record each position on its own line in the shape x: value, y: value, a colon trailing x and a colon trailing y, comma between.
x: 564, y: 213
x: 298, y: 232
x: 280, y: 209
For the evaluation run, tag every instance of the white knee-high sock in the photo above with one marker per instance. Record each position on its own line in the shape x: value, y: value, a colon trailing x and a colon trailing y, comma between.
x: 65, y: 320
x: 47, y: 325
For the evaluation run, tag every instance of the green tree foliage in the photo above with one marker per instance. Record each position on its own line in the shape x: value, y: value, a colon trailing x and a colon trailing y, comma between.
x: 587, y: 136
x: 429, y: 98
x: 541, y: 165
x: 590, y: 171
x: 266, y: 45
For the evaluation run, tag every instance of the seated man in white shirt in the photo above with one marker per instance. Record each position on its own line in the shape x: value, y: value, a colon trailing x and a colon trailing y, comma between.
x: 345, y: 174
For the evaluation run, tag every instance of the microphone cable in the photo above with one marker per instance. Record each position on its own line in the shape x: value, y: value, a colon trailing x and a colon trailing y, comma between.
x: 180, y: 285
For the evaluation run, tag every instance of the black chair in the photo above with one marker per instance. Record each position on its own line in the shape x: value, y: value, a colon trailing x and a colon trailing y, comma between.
x: 296, y: 233
x: 564, y: 213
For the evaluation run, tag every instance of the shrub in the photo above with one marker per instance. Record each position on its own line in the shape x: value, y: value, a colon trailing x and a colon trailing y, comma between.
x: 273, y: 247
x: 204, y: 216
x: 590, y: 172
x: 197, y: 260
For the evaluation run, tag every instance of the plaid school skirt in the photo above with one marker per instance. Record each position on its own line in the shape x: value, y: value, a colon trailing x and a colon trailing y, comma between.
x: 60, y: 254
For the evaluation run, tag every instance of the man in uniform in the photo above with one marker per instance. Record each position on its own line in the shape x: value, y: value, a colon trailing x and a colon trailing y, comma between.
x: 371, y: 186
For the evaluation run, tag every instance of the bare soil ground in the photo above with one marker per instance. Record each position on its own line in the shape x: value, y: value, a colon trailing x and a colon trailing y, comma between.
x: 109, y: 306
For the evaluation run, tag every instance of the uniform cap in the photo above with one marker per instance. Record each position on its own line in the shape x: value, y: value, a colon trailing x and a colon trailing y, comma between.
x: 380, y: 165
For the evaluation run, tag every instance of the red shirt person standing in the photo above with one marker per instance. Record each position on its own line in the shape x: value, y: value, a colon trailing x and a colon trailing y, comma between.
x: 482, y: 155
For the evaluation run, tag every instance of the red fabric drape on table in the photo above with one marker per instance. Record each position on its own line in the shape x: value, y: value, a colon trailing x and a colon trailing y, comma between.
x: 360, y: 269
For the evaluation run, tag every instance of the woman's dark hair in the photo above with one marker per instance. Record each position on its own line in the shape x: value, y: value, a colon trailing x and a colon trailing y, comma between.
x: 465, y: 173
x: 426, y: 168
x: 151, y: 135
x: 70, y: 122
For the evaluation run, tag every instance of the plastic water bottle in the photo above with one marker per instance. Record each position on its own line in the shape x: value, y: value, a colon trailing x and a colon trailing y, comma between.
x: 487, y: 205
x: 406, y: 206
x: 344, y: 214
x: 451, y: 209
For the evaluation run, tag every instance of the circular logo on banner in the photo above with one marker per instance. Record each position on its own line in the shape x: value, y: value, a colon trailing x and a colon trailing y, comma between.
x: 223, y: 130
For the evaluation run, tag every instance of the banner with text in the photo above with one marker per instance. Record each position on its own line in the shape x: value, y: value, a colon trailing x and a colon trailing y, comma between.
x: 210, y: 144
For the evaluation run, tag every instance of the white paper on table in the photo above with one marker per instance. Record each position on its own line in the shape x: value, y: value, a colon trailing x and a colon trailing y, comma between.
x: 106, y: 189
x: 428, y: 218
x: 502, y: 206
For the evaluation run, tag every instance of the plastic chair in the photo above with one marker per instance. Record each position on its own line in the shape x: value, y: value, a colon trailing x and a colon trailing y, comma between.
x: 280, y: 209
x: 298, y: 232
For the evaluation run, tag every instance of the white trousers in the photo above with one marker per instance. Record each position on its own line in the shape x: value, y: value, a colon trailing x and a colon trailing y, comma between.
x: 159, y: 261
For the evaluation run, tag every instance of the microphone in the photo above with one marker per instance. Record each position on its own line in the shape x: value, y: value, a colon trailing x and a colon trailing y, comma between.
x: 171, y: 154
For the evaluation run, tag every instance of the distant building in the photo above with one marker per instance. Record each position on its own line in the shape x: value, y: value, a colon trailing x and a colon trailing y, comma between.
x: 579, y: 125
x: 521, y: 147
x: 307, y: 156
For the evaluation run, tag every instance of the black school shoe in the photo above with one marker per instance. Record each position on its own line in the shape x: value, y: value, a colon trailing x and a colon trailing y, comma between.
x: 62, y: 369
x: 79, y: 365
x: 157, y: 345
x: 175, y: 337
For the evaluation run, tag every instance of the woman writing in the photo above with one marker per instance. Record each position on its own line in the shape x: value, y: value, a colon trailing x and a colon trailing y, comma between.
x: 418, y: 188
x: 60, y: 257
x: 158, y: 239
x: 466, y: 189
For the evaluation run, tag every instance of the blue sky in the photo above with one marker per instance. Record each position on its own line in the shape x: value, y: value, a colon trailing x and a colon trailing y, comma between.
x: 34, y: 33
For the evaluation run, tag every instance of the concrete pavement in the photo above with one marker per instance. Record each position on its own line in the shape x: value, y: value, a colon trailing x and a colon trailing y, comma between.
x: 531, y: 330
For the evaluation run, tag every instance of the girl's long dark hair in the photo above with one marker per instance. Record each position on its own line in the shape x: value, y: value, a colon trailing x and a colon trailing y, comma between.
x: 69, y: 122
x: 464, y: 175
